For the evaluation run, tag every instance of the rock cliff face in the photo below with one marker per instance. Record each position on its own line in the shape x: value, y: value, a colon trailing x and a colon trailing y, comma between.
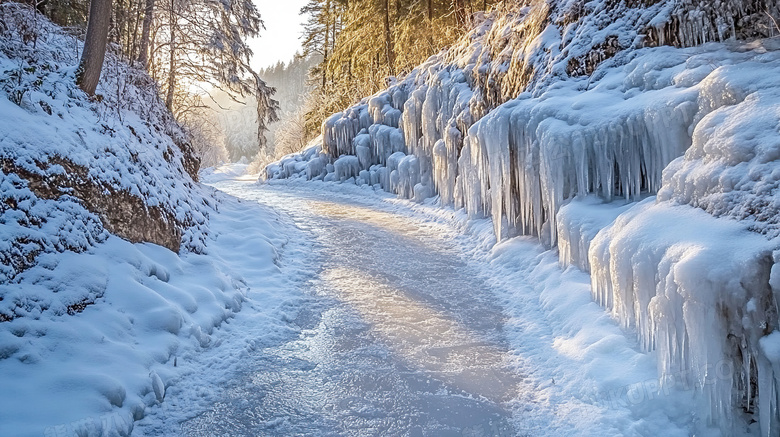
x: 75, y: 169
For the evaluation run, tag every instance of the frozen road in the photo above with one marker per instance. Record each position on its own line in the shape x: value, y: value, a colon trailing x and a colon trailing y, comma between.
x: 400, y: 336
x: 406, y: 320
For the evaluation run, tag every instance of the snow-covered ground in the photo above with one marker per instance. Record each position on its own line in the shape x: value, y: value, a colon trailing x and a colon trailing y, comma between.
x: 359, y: 313
x: 374, y: 296
x: 350, y: 310
x: 160, y: 315
x: 237, y: 170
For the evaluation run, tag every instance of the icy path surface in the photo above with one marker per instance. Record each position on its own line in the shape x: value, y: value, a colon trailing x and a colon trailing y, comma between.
x: 401, y: 339
x: 404, y: 319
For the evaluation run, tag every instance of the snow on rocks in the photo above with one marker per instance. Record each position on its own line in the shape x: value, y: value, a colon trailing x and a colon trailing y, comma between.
x: 731, y: 169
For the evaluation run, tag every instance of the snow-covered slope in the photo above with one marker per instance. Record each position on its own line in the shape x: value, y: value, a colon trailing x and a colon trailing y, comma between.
x: 555, y: 119
x: 94, y: 328
x: 118, y: 162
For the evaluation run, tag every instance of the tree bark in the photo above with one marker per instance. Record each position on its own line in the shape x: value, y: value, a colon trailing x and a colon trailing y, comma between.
x: 91, y: 64
x: 389, y: 40
x: 325, y: 46
x: 134, y: 31
x: 143, y: 55
x: 171, y: 58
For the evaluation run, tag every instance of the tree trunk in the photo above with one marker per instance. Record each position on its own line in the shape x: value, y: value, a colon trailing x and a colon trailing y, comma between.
x: 134, y: 31
x: 171, y: 59
x: 119, y: 20
x: 460, y: 13
x: 333, y: 31
x: 430, y: 10
x: 143, y: 55
x: 325, y: 44
x: 389, y: 40
x: 91, y: 64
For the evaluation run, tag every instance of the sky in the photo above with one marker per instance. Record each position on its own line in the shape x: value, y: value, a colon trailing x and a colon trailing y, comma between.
x: 281, y: 37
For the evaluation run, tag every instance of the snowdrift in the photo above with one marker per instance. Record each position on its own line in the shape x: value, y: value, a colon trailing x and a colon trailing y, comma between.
x: 564, y: 120
x: 92, y: 325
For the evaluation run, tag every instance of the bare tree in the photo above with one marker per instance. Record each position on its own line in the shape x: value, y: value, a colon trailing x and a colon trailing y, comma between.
x: 88, y: 73
x: 143, y: 52
x: 388, y: 38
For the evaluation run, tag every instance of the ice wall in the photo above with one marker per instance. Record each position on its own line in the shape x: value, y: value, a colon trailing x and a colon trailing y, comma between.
x: 532, y: 153
x: 698, y: 290
x: 695, y: 289
x: 543, y: 121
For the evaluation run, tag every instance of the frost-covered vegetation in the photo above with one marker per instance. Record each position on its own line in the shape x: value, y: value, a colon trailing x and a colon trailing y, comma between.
x: 564, y: 120
x: 293, y: 91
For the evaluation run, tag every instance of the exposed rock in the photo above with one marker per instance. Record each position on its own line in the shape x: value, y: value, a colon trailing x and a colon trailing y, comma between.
x: 120, y: 212
x: 586, y: 65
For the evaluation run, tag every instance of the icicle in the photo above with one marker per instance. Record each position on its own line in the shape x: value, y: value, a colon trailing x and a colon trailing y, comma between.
x: 346, y: 167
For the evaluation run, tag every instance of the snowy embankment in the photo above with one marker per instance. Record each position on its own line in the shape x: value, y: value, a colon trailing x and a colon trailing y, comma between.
x: 564, y: 124
x: 94, y: 329
x: 125, y: 356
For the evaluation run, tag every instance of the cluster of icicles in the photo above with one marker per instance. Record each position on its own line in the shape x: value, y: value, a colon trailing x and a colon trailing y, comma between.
x: 517, y: 164
x: 525, y: 160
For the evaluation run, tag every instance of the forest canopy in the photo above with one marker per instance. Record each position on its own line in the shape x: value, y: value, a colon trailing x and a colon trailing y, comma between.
x: 363, y: 43
x: 197, y: 51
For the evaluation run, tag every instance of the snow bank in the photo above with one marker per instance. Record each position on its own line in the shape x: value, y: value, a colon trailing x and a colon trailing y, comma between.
x: 93, y: 328
x: 96, y: 369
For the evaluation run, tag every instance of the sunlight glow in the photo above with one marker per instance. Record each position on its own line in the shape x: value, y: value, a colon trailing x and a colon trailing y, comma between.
x: 427, y: 339
x: 281, y: 38
x: 388, y: 221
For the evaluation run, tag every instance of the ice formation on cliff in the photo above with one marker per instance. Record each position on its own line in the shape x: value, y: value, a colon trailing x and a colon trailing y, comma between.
x: 549, y: 123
